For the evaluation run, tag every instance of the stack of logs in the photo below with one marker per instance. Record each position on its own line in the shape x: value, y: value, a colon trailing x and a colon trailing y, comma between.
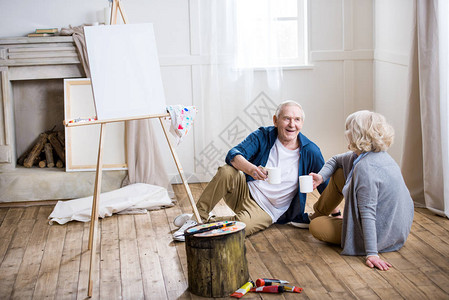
x: 48, y: 149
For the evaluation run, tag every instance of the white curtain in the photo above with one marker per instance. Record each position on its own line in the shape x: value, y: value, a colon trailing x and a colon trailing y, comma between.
x: 425, y: 163
x: 443, y: 25
x: 234, y: 97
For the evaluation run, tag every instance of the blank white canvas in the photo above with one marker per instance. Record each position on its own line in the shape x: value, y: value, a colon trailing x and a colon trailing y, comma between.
x: 81, y: 142
x: 125, y: 71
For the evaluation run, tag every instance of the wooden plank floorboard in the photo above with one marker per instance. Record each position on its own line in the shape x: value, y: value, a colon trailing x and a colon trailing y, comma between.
x: 131, y: 274
x: 380, y: 286
x: 51, y: 261
x: 32, y: 258
x: 3, y: 212
x: 442, y: 221
x: 10, y: 265
x: 416, y: 275
x: 110, y: 259
x: 180, y: 246
x: 174, y: 279
x: 70, y: 262
x: 354, y: 283
x: 84, y: 266
x: 423, y: 258
x: 7, y: 230
x: 153, y: 280
x: 435, y: 224
x: 138, y: 259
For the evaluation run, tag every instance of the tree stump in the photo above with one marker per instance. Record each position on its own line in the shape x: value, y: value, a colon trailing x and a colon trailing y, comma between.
x: 216, y: 263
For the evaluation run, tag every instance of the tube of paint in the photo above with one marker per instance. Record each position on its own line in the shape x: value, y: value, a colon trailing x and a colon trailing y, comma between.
x: 269, y: 281
x: 243, y: 290
x: 269, y: 289
x: 292, y: 289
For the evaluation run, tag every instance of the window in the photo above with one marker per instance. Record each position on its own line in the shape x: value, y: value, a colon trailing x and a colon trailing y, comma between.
x: 271, y: 33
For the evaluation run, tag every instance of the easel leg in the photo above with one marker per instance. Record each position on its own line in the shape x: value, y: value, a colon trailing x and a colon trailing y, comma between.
x: 94, y: 215
x: 181, y: 173
x: 116, y: 5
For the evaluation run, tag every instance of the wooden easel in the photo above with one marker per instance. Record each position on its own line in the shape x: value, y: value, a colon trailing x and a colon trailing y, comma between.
x: 98, y: 175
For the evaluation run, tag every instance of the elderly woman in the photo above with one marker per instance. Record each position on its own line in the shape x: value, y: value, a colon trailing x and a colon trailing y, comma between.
x: 378, y: 211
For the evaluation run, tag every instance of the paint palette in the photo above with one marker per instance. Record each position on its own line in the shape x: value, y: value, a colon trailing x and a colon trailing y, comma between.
x: 216, y: 232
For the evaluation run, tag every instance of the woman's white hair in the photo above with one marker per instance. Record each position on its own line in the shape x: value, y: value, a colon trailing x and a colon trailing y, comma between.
x: 289, y: 103
x: 368, y: 131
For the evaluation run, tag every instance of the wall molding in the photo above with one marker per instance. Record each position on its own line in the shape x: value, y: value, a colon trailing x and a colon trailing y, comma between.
x: 191, y: 60
x: 183, y: 60
x: 391, y: 57
x: 342, y: 55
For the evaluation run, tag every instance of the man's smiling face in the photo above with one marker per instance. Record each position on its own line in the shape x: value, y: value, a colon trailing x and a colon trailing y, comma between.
x: 289, y: 124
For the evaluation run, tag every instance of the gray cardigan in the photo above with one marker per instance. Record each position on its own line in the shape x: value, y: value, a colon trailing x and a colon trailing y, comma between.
x: 378, y: 211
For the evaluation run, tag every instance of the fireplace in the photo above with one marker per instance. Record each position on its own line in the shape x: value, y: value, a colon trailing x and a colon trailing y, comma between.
x: 38, y: 64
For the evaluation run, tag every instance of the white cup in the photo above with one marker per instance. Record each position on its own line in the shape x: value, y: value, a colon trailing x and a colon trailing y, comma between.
x: 306, y: 184
x: 274, y: 175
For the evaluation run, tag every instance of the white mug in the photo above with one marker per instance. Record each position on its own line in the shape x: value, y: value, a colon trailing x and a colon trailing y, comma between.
x: 306, y: 184
x: 274, y: 175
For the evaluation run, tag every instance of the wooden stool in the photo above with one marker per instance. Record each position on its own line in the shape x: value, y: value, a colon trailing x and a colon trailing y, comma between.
x: 216, y: 260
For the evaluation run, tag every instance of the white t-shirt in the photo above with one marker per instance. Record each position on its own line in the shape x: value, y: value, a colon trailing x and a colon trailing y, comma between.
x: 275, y: 199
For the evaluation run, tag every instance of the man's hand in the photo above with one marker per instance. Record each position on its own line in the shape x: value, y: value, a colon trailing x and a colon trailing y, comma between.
x: 317, y: 179
x: 240, y: 163
x: 375, y: 261
x: 258, y: 173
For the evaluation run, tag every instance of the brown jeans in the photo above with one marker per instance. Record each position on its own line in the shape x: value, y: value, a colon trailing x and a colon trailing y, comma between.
x: 230, y: 184
x: 322, y: 226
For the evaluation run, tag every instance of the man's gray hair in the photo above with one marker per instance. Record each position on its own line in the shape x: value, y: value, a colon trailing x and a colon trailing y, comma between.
x: 289, y: 103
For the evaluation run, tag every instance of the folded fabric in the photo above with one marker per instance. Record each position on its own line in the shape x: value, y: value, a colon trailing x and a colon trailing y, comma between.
x: 181, y: 120
x: 132, y: 198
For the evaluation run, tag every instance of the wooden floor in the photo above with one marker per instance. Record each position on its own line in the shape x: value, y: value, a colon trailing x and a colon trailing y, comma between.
x: 137, y: 259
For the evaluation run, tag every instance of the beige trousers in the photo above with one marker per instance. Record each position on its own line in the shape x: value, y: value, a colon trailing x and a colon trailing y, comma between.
x: 322, y: 226
x: 230, y: 184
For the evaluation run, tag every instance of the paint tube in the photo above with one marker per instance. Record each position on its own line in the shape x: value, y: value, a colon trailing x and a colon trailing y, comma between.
x: 243, y: 290
x: 268, y: 289
x: 269, y: 281
x: 292, y: 289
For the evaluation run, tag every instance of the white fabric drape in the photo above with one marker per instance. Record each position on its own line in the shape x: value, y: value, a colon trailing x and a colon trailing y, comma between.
x: 443, y: 27
x: 227, y: 87
x: 425, y: 162
x: 143, y: 157
x: 134, y: 198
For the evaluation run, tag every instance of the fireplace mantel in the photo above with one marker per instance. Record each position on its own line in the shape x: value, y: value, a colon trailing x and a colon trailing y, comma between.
x: 26, y: 58
x: 35, y: 58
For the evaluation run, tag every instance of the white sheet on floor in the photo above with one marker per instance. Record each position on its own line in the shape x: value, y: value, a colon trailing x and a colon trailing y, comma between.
x: 132, y: 198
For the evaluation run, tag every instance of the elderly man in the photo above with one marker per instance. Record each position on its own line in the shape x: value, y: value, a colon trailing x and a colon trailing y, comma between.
x: 242, y: 181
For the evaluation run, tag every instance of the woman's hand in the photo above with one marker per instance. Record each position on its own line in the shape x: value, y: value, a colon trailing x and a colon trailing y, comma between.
x: 317, y: 179
x: 375, y: 261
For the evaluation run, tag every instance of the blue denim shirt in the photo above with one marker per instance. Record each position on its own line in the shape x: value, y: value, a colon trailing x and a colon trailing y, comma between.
x: 256, y: 148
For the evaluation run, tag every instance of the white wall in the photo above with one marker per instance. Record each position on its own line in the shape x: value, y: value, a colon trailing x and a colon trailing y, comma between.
x: 393, y: 34
x: 339, y: 82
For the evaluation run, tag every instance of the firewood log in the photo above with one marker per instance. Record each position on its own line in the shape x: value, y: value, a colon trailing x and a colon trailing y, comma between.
x: 42, y: 164
x: 61, y: 137
x: 21, y: 159
x: 59, y: 164
x: 57, y: 146
x: 49, y: 155
x: 36, y: 151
